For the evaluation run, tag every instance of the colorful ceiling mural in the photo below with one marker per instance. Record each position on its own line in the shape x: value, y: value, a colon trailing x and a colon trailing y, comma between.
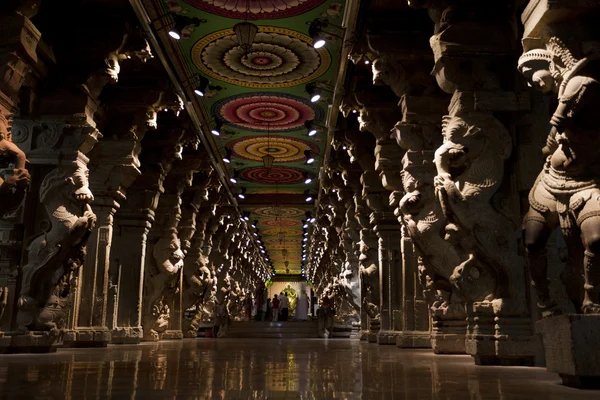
x: 256, y: 99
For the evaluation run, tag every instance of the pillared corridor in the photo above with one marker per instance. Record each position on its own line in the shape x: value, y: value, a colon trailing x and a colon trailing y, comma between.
x: 299, y: 198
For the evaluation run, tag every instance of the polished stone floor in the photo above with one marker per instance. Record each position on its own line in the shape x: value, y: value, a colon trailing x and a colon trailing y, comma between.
x: 269, y: 369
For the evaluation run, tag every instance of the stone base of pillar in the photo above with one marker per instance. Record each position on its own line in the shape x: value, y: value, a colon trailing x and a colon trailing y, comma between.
x: 363, y: 335
x: 127, y: 335
x: 414, y: 340
x: 572, y: 348
x: 31, y: 342
x: 190, y: 334
x: 172, y: 335
x: 498, y: 335
x: 387, y: 337
x: 341, y: 331
x: 448, y: 336
x: 374, y: 326
x: 88, y: 337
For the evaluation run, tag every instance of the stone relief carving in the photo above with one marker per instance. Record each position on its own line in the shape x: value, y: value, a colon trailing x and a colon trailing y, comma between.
x: 14, y: 177
x: 54, y: 254
x: 470, y: 168
x: 566, y: 193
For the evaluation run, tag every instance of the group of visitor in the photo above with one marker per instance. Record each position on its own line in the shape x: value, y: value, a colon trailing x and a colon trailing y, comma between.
x: 277, y: 309
x: 281, y: 306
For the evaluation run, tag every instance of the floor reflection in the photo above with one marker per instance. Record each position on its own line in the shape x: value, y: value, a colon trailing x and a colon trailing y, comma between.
x: 269, y: 369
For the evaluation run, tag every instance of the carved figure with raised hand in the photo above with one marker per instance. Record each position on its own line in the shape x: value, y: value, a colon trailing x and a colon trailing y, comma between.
x: 567, y: 191
x: 54, y: 254
x: 470, y: 169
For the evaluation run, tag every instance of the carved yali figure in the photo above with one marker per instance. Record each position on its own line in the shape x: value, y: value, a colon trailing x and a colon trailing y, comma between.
x: 567, y: 191
x: 54, y: 254
x: 470, y: 168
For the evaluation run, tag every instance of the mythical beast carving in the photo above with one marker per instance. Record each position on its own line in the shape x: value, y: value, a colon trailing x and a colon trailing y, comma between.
x: 470, y: 169
x: 56, y: 253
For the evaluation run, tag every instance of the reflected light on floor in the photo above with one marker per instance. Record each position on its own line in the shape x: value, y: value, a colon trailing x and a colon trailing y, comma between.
x: 269, y: 369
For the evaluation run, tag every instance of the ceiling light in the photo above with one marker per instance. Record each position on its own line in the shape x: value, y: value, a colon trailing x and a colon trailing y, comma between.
x: 309, y: 157
x: 308, y: 195
x: 242, y: 195
x: 181, y: 22
x: 200, y: 90
x: 217, y: 129
x: 234, y: 178
x: 314, y: 31
x: 268, y: 161
x: 245, y: 32
x: 228, y: 154
x: 254, y: 223
x: 308, y: 124
x: 307, y: 178
x: 313, y: 92
x: 304, y: 224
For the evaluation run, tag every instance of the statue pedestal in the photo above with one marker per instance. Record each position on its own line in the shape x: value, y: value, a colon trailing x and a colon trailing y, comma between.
x: 127, y: 335
x: 498, y: 334
x: 88, y: 337
x: 172, y: 335
x: 414, y: 340
x: 572, y: 347
x: 448, y: 336
x: 31, y: 342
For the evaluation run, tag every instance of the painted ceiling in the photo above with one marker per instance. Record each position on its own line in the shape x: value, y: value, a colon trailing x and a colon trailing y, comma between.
x: 259, y: 97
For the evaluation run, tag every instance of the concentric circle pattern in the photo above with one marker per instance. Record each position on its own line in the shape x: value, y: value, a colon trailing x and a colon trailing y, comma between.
x: 292, y: 240
x: 276, y: 175
x: 279, y: 58
x: 283, y: 212
x: 287, y: 231
x: 283, y: 149
x: 284, y: 223
x: 261, y: 112
x: 255, y: 9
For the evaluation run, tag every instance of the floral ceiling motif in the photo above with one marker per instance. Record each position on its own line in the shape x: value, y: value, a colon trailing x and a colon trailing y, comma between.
x: 266, y: 112
x: 282, y: 148
x: 279, y: 58
x: 284, y: 223
x: 255, y: 9
x: 284, y: 212
x: 277, y: 175
x: 286, y: 231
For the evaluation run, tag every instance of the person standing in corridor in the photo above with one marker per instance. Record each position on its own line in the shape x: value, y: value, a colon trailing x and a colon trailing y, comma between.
x: 284, y: 306
x: 275, y: 308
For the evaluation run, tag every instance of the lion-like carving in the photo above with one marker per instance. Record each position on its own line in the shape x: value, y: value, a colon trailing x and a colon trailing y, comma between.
x: 55, y: 254
x: 470, y: 168
x: 163, y: 279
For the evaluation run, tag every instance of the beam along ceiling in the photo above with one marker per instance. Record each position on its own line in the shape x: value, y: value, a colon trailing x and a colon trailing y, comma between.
x: 257, y: 101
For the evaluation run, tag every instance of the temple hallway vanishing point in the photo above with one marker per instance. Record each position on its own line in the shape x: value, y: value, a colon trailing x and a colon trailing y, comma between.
x: 269, y: 369
x: 420, y: 180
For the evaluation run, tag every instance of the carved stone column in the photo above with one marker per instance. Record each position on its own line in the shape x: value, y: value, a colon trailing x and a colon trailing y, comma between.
x: 164, y: 258
x: 133, y: 223
x: 480, y: 200
x: 18, y: 45
x: 419, y: 133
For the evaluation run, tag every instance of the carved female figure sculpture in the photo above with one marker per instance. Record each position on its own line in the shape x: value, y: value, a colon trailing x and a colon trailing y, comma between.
x: 567, y: 191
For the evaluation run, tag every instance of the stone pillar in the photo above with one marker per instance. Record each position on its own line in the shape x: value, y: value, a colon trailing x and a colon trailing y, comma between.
x: 133, y: 223
x: 164, y: 258
x: 18, y: 50
x: 114, y: 166
x: 480, y: 200
x: 560, y: 58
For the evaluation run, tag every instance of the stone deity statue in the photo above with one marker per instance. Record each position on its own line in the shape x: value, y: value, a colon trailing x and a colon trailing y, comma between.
x: 567, y: 190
